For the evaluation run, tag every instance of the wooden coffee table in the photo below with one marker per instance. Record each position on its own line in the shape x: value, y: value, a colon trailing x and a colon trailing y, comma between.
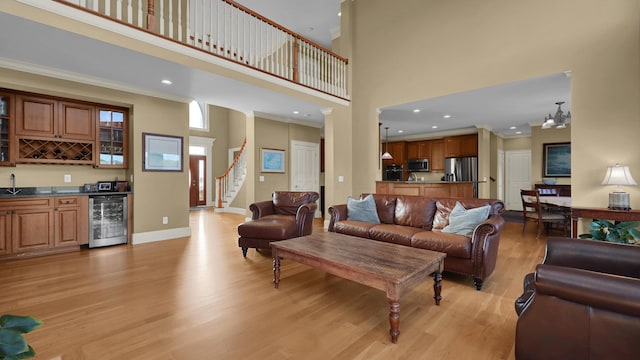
x: 389, y: 267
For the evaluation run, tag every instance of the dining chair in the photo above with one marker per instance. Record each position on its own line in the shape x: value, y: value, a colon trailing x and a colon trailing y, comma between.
x: 533, y: 210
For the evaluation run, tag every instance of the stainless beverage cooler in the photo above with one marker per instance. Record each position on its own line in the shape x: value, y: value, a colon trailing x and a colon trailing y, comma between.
x: 107, y: 220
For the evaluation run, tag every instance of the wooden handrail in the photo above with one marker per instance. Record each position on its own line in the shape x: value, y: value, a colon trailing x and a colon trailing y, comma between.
x: 220, y: 179
x: 235, y: 160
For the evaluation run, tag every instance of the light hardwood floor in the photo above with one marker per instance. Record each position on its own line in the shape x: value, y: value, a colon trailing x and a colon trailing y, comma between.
x: 198, y: 298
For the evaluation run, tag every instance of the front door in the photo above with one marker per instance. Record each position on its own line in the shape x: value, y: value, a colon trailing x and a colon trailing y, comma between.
x: 197, y: 180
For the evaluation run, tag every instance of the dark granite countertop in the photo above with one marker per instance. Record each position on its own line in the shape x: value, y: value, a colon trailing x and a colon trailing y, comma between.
x: 24, y: 192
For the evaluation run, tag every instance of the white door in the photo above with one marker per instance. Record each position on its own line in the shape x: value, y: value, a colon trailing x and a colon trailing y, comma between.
x: 517, y: 177
x: 305, y: 167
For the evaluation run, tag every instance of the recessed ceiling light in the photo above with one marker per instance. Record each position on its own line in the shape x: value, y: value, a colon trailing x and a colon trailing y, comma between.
x: 447, y: 116
x: 296, y: 112
x: 518, y: 132
x: 512, y: 127
x: 416, y: 110
x: 166, y: 82
x: 340, y: 13
x: 434, y: 127
x: 400, y: 131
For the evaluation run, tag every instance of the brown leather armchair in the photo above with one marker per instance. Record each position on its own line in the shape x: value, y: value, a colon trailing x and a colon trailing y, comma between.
x: 287, y: 215
x: 582, y: 302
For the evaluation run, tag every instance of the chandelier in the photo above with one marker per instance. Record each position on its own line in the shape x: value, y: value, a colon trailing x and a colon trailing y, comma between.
x: 559, y: 120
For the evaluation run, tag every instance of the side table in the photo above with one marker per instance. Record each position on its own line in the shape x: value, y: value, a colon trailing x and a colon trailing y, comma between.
x: 600, y: 213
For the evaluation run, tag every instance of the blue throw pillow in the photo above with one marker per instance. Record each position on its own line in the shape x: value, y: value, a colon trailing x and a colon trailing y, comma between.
x: 362, y: 210
x: 463, y: 221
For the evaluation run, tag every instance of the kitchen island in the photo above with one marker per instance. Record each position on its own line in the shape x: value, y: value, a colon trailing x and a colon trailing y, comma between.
x: 427, y: 188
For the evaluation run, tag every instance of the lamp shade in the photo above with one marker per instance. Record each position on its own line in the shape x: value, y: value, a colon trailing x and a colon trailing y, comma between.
x: 387, y: 156
x: 618, y: 175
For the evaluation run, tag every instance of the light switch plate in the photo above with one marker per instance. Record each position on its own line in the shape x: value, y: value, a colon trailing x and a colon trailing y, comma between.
x: 67, y: 178
x: 261, y: 178
x: 340, y: 178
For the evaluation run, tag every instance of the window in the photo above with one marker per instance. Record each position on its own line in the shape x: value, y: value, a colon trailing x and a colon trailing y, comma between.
x: 197, y: 116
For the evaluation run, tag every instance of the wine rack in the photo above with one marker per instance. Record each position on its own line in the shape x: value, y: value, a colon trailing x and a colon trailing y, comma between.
x: 55, y: 151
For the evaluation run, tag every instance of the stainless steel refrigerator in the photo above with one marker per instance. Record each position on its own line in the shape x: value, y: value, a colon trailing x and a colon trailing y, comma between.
x: 463, y: 169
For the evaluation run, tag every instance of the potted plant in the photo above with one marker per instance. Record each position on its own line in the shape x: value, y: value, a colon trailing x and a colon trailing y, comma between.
x: 624, y: 232
x: 13, y: 345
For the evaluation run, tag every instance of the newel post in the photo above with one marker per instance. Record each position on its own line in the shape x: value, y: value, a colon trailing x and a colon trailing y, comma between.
x: 296, y: 48
x: 151, y: 19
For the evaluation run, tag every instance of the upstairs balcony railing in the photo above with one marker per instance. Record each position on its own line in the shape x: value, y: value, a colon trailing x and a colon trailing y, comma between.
x: 227, y: 29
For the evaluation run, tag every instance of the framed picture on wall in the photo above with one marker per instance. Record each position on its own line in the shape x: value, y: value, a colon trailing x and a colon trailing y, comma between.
x: 556, y: 160
x: 161, y: 152
x: 271, y: 160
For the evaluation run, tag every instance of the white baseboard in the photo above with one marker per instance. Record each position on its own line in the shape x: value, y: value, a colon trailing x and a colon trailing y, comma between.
x: 160, y: 235
x: 232, y: 210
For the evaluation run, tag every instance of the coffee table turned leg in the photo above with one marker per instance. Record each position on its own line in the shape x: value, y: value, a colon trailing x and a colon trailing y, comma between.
x: 276, y: 269
x: 394, y: 320
x: 437, y: 286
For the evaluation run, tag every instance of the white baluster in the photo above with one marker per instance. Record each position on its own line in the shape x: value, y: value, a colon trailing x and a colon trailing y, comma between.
x: 162, y: 17
x: 140, y: 14
x: 130, y: 11
x: 171, y: 19
x: 180, y: 20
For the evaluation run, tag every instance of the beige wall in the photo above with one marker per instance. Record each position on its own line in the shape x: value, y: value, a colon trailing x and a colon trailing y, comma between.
x: 454, y: 46
x: 156, y: 194
x: 518, y: 143
x: 278, y: 135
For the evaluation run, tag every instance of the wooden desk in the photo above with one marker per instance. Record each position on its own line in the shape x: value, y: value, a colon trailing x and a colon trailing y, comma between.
x: 601, y: 213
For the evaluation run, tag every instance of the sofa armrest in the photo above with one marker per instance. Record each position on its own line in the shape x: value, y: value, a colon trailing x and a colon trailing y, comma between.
x: 304, y: 218
x: 338, y: 213
x: 261, y: 208
x: 484, y: 245
x: 594, y: 255
x: 618, y: 294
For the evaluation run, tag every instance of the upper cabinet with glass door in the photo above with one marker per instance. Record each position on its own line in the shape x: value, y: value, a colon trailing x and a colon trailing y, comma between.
x: 6, y: 108
x: 112, y: 137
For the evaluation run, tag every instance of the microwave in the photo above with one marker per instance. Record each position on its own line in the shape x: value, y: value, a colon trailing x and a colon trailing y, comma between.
x: 419, y: 165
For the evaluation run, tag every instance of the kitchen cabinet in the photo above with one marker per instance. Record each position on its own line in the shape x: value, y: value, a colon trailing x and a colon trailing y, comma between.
x: 112, y: 138
x: 464, y: 145
x: 6, y: 114
x: 42, y: 225
x: 436, y: 157
x: 418, y: 150
x: 397, y: 149
x: 51, y: 118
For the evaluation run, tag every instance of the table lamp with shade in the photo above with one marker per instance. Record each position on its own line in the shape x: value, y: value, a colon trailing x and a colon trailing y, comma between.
x: 618, y: 175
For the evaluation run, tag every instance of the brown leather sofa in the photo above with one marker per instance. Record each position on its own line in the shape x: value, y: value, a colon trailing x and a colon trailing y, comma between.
x: 417, y: 221
x: 287, y: 215
x: 582, y: 302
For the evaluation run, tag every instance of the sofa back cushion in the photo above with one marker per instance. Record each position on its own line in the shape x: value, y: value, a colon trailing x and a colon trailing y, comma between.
x: 288, y: 202
x: 445, y: 205
x: 414, y: 211
x: 386, y: 206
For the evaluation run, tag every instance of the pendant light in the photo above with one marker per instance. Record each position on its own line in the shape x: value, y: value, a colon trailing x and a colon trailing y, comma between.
x: 386, y: 155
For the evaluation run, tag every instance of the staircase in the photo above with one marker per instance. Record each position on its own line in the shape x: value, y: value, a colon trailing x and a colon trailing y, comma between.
x: 229, y: 184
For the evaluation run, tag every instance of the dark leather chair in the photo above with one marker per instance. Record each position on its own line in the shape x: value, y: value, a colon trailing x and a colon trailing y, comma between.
x: 582, y: 302
x: 287, y: 215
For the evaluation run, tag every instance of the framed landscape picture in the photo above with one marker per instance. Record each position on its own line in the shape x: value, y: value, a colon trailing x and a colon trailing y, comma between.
x: 271, y: 160
x: 556, y: 160
x: 161, y: 152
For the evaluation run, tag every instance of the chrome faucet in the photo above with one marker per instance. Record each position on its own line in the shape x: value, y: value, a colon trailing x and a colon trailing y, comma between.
x: 413, y: 177
x: 13, y: 190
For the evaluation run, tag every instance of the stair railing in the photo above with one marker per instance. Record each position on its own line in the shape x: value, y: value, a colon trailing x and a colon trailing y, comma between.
x: 231, y: 176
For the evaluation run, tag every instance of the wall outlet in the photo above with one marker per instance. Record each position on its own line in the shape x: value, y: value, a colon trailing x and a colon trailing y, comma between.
x: 165, y: 220
x: 67, y: 178
x: 261, y: 178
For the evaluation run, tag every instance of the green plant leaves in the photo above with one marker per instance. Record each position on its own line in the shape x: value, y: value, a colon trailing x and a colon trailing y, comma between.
x: 624, y: 232
x: 13, y: 345
x: 23, y: 324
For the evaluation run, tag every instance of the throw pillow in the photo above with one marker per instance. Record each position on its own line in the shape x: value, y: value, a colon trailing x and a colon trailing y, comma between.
x: 463, y: 221
x: 362, y: 210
